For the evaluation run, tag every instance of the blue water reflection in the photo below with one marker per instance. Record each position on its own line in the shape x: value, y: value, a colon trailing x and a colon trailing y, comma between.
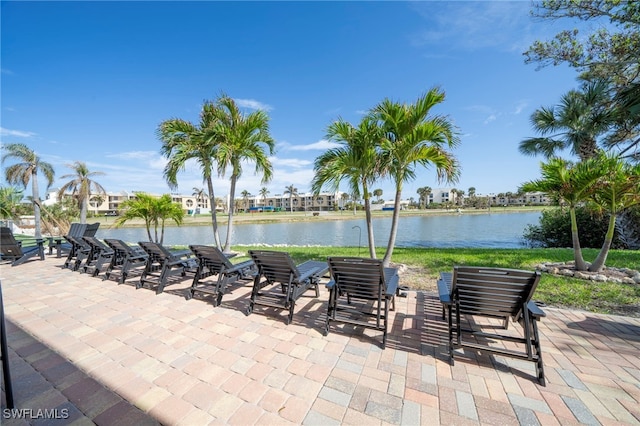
x: 491, y: 230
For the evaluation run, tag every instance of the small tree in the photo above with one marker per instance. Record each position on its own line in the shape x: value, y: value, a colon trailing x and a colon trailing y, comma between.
x: 154, y: 211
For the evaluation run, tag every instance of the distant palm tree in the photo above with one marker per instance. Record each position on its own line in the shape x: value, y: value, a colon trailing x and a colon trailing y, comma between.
x: 200, y: 195
x: 242, y: 138
x: 377, y: 193
x: 424, y: 192
x: 345, y: 197
x: 293, y: 192
x: 263, y: 193
x: 414, y: 138
x: 27, y: 171
x: 356, y: 160
x: 81, y: 185
x: 96, y: 201
x: 471, y: 191
x: 183, y: 141
x: 153, y: 210
x: 245, y: 198
x: 575, y: 124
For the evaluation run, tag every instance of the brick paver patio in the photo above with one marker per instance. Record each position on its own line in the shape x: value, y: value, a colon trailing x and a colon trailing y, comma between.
x: 111, y: 354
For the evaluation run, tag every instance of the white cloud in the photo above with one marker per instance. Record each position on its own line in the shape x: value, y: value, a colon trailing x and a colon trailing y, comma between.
x: 490, y: 118
x: 290, y: 162
x: 253, y: 104
x: 322, y: 144
x: 16, y: 133
x: 520, y: 107
x: 472, y: 25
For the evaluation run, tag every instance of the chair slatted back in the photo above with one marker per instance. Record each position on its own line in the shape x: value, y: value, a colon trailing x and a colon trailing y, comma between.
x: 90, y: 230
x: 121, y: 248
x: 358, y: 277
x: 97, y: 246
x: 496, y: 292
x: 9, y: 246
x: 211, y: 258
x: 275, y: 266
x: 76, y: 229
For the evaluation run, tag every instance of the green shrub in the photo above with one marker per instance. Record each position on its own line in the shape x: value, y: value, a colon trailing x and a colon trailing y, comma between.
x: 554, y: 229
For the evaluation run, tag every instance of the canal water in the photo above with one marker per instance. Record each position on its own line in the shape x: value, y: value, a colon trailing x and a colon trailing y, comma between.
x: 489, y: 230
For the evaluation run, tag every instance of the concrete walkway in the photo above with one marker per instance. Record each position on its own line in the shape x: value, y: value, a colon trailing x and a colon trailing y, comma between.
x: 97, y: 352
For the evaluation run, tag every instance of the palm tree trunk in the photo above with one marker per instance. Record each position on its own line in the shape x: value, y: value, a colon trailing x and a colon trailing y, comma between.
x: 394, y: 227
x: 232, y: 192
x: 162, y: 232
x: 214, y: 216
x: 367, y: 212
x: 598, y: 264
x: 580, y: 264
x: 35, y: 193
x: 148, y: 225
x: 83, y: 210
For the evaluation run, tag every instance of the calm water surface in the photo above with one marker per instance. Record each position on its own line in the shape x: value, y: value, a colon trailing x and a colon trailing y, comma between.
x: 490, y: 230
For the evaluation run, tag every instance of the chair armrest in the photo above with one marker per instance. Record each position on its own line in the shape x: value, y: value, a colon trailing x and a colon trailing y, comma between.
x: 535, y: 310
x: 330, y: 284
x: 308, y: 274
x: 392, y: 286
x: 240, y: 266
x: 443, y: 291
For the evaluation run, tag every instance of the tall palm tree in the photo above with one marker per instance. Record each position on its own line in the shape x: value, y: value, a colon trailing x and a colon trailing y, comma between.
x: 245, y: 198
x: 617, y: 190
x: 414, y: 138
x: 153, y: 210
x: 570, y: 184
x: 355, y: 160
x: 183, y: 141
x: 25, y: 171
x: 576, y: 124
x: 242, y: 138
x: 80, y: 186
x: 264, y: 191
x: 293, y: 192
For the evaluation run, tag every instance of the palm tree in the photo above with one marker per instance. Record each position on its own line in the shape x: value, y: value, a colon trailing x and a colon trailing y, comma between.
x: 424, y: 193
x: 10, y: 198
x: 570, y: 184
x: 356, y: 161
x: 345, y: 197
x: 575, y: 124
x: 245, y: 198
x: 377, y: 193
x: 471, y: 191
x: 183, y: 141
x: 200, y: 195
x: 96, y: 201
x: 617, y: 189
x: 153, y: 210
x: 293, y: 192
x: 27, y: 171
x: 241, y: 138
x: 81, y: 186
x: 414, y: 138
x: 263, y: 193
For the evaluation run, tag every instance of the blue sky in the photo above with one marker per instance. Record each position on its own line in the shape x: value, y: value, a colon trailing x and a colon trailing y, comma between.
x: 91, y: 81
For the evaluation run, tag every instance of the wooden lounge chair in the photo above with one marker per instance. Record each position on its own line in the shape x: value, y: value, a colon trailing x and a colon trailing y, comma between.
x: 288, y: 281
x: 99, y: 256
x: 163, y: 264
x: 12, y: 250
x: 4, y: 353
x: 493, y: 293
x: 360, y: 292
x: 126, y: 260
x: 211, y: 261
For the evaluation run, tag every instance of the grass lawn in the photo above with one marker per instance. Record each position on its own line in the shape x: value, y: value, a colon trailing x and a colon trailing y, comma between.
x: 557, y: 291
